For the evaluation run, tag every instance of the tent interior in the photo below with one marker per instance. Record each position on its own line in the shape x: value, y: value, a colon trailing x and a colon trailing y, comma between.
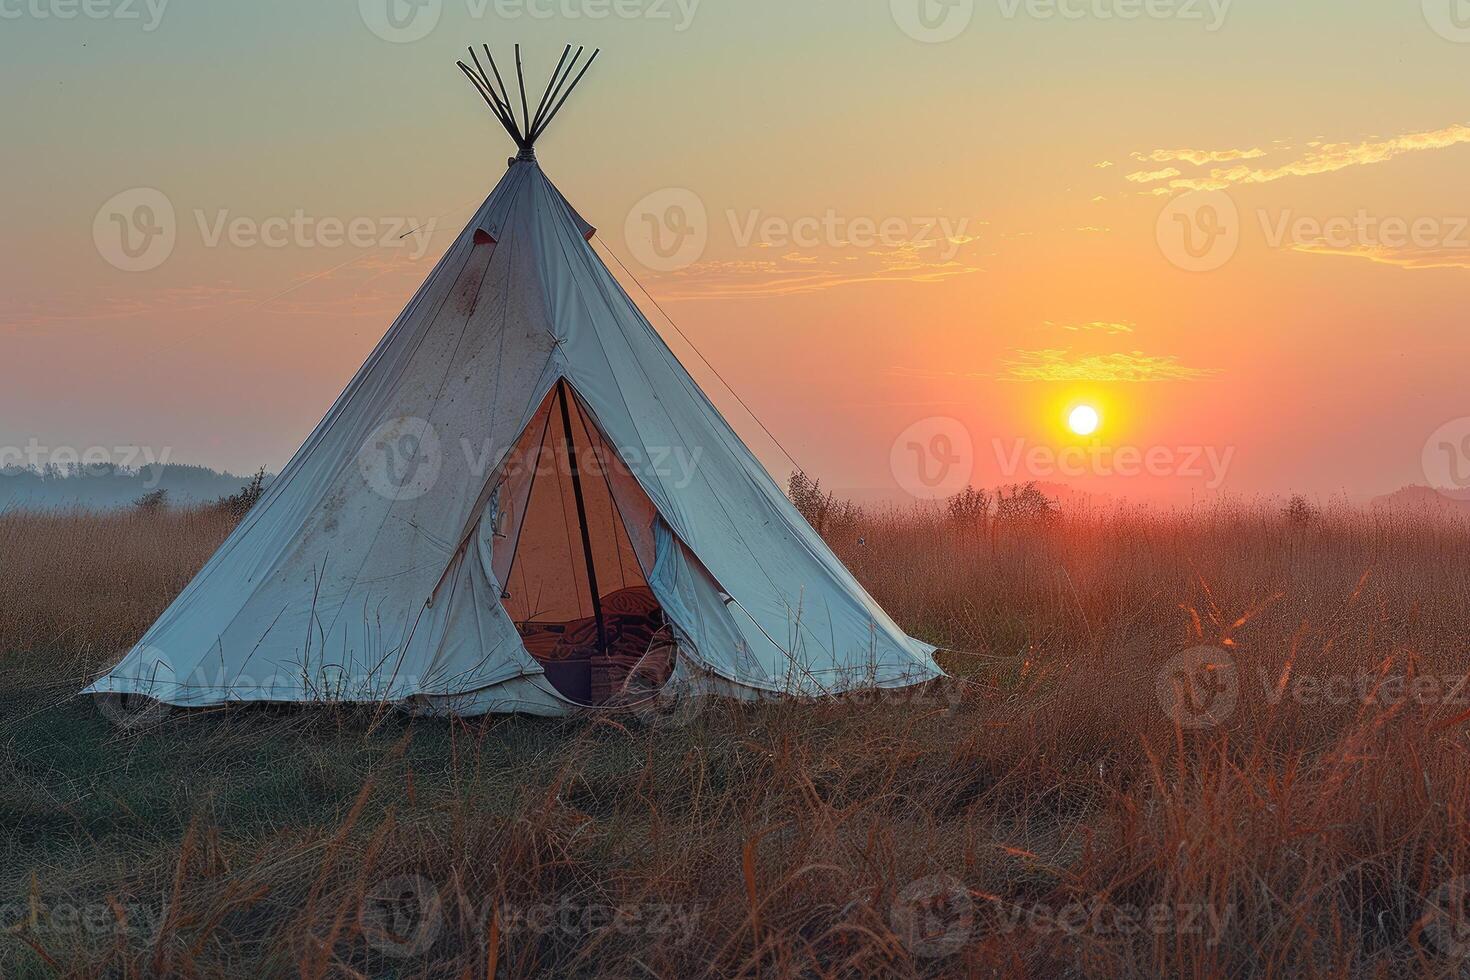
x: 573, y: 544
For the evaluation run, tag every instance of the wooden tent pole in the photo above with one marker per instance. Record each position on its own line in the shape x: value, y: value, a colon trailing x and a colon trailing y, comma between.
x: 566, y: 422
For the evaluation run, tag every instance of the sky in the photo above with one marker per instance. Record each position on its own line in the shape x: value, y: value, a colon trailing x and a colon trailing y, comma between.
x: 913, y: 235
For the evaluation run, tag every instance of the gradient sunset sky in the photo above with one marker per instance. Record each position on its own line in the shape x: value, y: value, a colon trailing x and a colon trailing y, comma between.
x: 1038, y: 171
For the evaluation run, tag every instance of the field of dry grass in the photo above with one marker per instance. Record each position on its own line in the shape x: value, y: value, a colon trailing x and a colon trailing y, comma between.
x: 1205, y: 743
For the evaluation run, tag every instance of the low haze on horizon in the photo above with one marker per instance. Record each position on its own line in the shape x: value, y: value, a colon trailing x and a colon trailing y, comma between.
x: 1238, y: 230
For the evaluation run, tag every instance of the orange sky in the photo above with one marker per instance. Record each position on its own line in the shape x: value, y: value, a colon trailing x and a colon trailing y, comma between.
x: 1243, y: 236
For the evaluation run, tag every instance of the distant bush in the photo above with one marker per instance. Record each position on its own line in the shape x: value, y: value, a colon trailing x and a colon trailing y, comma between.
x: 108, y: 485
x: 1024, y: 506
x: 152, y: 501
x: 823, y: 510
x: 970, y: 508
x: 1299, y: 511
x: 238, y: 504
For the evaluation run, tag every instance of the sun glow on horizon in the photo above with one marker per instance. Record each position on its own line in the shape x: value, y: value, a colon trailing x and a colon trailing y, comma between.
x: 1084, y: 420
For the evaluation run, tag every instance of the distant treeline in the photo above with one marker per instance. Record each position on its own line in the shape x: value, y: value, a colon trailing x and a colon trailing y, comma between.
x: 108, y: 486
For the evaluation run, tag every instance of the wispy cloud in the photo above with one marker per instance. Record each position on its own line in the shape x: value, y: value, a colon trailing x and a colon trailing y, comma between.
x: 1151, y: 176
x: 375, y: 284
x: 158, y: 302
x: 930, y: 373
x: 1404, y: 258
x: 371, y: 284
x: 806, y: 272
x: 1054, y: 364
x: 1096, y: 326
x: 1199, y: 158
x: 1313, y: 159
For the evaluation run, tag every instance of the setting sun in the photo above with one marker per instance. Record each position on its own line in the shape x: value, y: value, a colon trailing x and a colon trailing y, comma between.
x: 1084, y: 420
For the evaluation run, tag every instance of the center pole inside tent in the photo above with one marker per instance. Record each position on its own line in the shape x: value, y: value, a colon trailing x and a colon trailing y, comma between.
x: 566, y: 422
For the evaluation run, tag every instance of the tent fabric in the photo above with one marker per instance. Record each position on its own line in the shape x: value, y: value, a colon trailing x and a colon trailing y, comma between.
x: 353, y: 578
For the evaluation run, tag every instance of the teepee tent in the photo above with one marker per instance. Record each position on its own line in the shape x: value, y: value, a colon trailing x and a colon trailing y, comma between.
x: 521, y: 502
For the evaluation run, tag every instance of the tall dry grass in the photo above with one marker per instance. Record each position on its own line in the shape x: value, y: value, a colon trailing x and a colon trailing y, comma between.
x: 1017, y: 822
x: 86, y: 584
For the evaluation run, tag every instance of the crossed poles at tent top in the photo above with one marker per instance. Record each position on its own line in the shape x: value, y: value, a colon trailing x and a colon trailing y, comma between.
x: 526, y: 130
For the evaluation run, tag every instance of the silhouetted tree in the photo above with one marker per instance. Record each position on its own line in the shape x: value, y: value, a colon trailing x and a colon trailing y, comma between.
x: 970, y: 508
x: 1024, y: 506
x: 237, y: 505
x: 1299, y: 511
x: 822, y: 510
x: 153, y: 501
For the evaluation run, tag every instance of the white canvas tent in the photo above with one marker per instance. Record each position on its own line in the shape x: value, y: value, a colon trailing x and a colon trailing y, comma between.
x: 520, y: 471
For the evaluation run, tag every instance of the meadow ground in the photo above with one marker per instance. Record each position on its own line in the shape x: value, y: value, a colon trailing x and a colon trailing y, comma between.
x: 1218, y: 742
